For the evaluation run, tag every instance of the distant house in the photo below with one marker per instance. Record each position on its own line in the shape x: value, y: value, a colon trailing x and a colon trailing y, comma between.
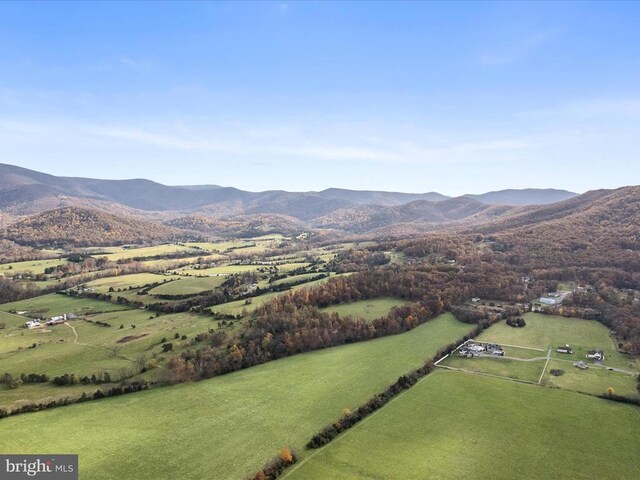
x: 498, y: 353
x: 581, y: 365
x: 595, y: 355
x: 475, y: 299
x: 476, y: 348
x: 32, y: 323
x: 548, y: 301
x: 565, y: 349
x: 57, y: 320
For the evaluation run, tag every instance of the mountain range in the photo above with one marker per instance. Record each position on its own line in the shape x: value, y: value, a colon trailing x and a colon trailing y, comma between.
x: 41, y: 209
x: 27, y: 192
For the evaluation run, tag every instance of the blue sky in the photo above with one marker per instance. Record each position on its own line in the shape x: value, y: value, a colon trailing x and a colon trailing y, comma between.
x: 451, y: 97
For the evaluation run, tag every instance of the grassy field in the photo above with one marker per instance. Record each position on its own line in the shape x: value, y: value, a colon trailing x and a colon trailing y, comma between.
x: 547, y: 331
x: 366, y: 309
x: 592, y: 380
x: 229, y: 426
x: 188, y: 286
x: 92, y: 349
x: 33, y: 266
x: 120, y: 253
x: 56, y: 304
x: 503, y: 367
x: 293, y: 279
x: 125, y: 281
x: 220, y: 246
x: 454, y: 425
x: 231, y: 269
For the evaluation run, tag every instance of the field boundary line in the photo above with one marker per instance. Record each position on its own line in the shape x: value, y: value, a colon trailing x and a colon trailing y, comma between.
x: 483, y: 374
x: 545, y: 367
x: 518, y: 346
x: 341, y: 436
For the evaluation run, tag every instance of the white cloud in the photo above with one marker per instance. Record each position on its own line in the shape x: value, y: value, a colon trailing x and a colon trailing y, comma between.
x: 513, y: 51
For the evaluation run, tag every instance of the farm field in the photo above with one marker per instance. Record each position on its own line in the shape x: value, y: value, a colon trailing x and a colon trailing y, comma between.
x: 594, y: 380
x: 545, y: 329
x: 188, y: 286
x: 231, y: 269
x: 57, y: 304
x: 119, y: 253
x: 89, y: 348
x: 366, y: 309
x: 294, y: 279
x: 503, y: 367
x: 33, y: 266
x: 243, y: 419
x: 453, y: 425
x: 548, y: 331
x: 134, y: 280
x: 220, y: 246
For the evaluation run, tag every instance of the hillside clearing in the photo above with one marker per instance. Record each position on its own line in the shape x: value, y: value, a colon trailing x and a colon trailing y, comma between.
x: 366, y: 309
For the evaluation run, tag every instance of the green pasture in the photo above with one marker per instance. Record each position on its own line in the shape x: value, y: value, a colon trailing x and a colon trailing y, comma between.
x: 454, y: 425
x: 188, y: 286
x: 529, y: 371
x: 366, y: 309
x: 33, y: 266
x: 94, y: 348
x: 226, y: 427
x: 134, y: 280
x: 594, y: 380
x: 56, y: 304
x: 548, y: 331
x: 120, y: 253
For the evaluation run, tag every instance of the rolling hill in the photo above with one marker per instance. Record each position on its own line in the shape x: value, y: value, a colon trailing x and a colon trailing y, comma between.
x: 597, y: 229
x: 417, y: 216
x: 73, y: 226
x: 528, y: 196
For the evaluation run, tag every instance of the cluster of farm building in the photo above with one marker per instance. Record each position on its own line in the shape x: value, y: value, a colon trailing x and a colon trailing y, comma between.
x: 57, y: 320
x: 591, y: 354
x: 476, y: 349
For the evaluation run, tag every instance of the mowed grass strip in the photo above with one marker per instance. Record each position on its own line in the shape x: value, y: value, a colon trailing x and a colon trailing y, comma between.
x: 226, y: 427
x: 454, y: 425
x: 366, y: 309
x: 548, y: 331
